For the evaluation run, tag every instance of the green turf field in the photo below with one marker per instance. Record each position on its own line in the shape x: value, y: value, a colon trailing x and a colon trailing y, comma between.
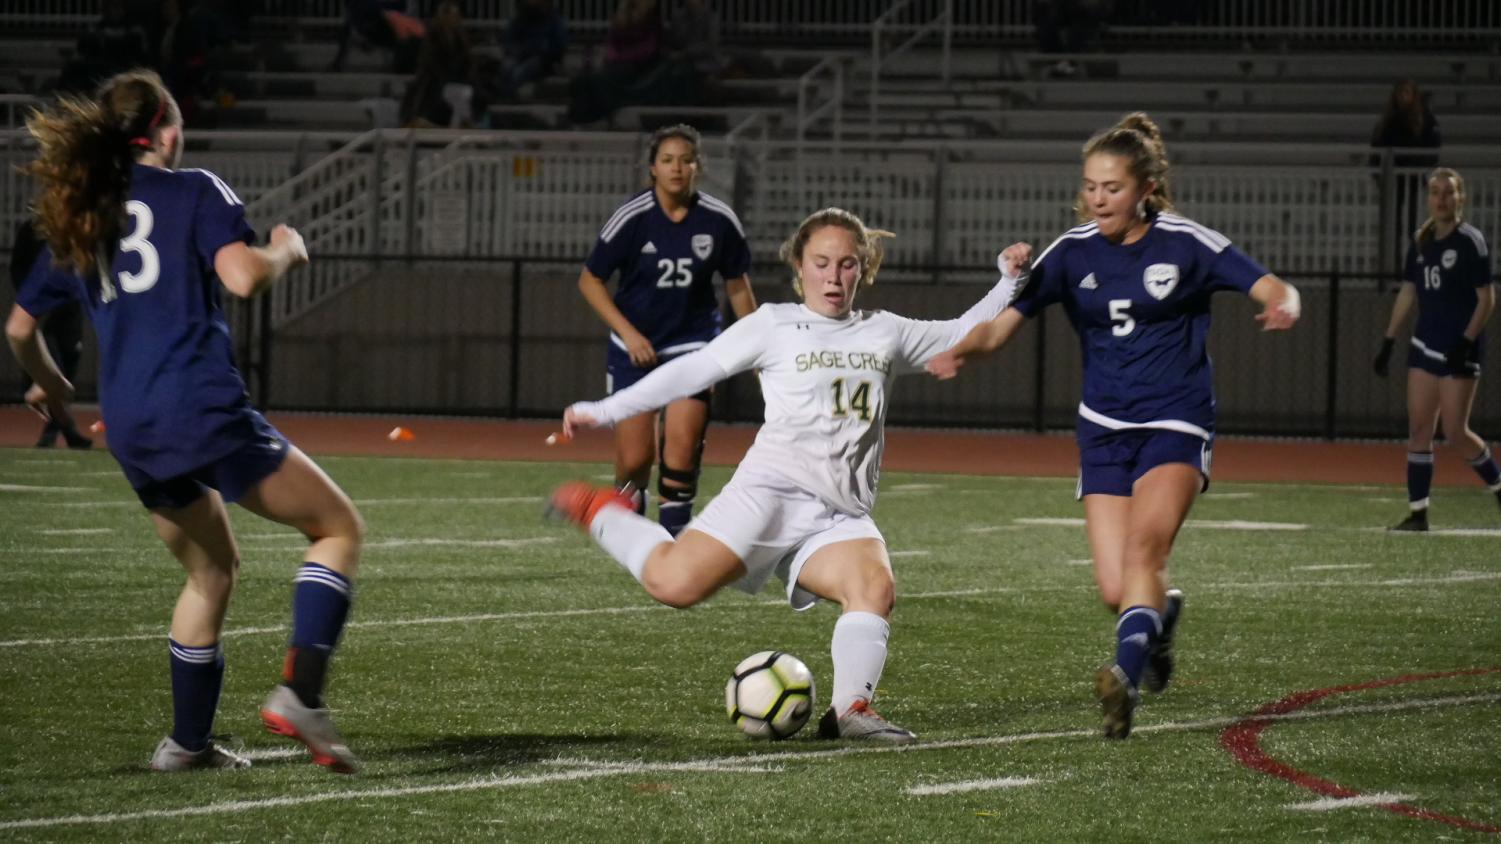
x: 503, y: 679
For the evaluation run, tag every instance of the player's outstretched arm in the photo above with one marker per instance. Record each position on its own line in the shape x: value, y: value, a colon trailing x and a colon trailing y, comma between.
x: 247, y: 270
x: 679, y: 378
x: 51, y: 392
x: 982, y: 339
x: 1280, y: 303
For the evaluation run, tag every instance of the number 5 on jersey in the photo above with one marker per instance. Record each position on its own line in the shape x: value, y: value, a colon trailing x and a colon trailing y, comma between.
x: 1124, y: 324
x: 137, y: 242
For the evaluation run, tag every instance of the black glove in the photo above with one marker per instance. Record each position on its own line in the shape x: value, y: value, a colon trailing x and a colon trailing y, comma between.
x: 1459, y: 354
x: 1382, y: 363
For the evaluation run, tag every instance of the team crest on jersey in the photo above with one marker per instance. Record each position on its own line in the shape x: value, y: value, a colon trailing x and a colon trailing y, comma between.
x: 1448, y: 259
x: 703, y: 244
x: 1160, y: 279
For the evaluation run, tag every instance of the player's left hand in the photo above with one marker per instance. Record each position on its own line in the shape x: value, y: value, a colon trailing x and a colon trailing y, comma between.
x: 1278, y: 316
x: 1460, y: 354
x: 1015, y: 259
x: 944, y: 365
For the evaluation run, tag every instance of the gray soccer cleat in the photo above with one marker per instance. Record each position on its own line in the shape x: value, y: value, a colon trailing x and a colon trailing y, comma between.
x: 1117, y: 700
x: 862, y: 722
x: 170, y: 757
x: 1160, y: 658
x: 285, y: 715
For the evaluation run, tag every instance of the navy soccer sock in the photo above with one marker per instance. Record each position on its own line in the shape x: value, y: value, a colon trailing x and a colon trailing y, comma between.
x: 197, y: 677
x: 320, y: 605
x: 674, y: 515
x: 1485, y: 467
x: 1419, y: 478
x: 1135, y: 632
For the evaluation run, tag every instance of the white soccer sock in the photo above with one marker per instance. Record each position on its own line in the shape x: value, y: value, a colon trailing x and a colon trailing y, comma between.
x: 859, y: 648
x: 627, y: 537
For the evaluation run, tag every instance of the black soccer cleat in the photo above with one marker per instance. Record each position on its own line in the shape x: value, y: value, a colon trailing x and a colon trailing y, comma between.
x: 1417, y: 520
x: 1117, y: 700
x: 1160, y: 660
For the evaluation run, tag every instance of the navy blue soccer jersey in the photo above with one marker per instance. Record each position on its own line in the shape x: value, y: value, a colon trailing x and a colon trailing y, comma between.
x: 169, y: 391
x: 1142, y: 314
x: 1447, y: 273
x: 666, y: 285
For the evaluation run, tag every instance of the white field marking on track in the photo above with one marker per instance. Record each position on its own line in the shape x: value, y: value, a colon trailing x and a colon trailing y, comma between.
x: 1456, y: 577
x: 990, y: 528
x: 38, y: 461
x: 596, y: 769
x: 273, y: 753
x: 1235, y: 495
x: 1080, y: 561
x: 461, y: 543
x: 1333, y: 567
x: 1329, y: 804
x: 970, y: 785
x: 1393, y: 500
x: 95, y: 549
x: 1212, y: 524
x: 914, y: 552
x: 36, y: 488
x: 73, y: 531
x: 120, y: 503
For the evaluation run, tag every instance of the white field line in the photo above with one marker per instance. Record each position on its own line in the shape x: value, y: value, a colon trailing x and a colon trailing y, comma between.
x: 1329, y: 804
x: 43, y: 461
x: 74, y: 531
x: 1229, y: 495
x: 596, y: 769
x: 1456, y: 577
x: 1333, y: 567
x: 35, y: 488
x: 1212, y: 524
x: 915, y: 552
x: 1079, y: 561
x: 990, y: 528
x: 971, y: 785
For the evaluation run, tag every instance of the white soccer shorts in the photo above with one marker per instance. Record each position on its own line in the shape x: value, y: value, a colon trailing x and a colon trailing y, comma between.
x: 774, y: 527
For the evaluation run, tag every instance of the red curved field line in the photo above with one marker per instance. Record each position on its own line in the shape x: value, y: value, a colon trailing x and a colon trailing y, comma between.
x: 1243, y: 740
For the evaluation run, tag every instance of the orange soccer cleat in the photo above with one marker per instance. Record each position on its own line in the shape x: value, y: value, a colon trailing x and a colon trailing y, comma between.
x: 580, y: 501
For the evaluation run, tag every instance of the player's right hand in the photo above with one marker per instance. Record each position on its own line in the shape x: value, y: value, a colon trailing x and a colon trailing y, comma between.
x: 1382, y: 364
x: 50, y: 406
x: 573, y: 420
x: 286, y: 237
x: 1015, y: 259
x: 640, y: 349
x: 944, y: 365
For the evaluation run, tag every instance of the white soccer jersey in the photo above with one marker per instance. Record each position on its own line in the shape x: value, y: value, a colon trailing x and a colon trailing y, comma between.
x: 825, y: 382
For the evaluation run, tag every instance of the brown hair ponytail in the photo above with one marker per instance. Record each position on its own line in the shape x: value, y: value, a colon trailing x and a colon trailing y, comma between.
x: 85, y: 151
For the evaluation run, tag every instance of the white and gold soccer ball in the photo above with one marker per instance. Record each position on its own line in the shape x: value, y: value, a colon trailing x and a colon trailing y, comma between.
x: 770, y: 695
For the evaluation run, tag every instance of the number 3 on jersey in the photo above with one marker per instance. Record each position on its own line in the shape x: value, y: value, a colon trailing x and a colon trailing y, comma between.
x: 677, y: 273
x: 137, y: 242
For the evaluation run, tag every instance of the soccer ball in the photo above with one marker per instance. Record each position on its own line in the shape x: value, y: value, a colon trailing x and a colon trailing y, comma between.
x: 770, y: 695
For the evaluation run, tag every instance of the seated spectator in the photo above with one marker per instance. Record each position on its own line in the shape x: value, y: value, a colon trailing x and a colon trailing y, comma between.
x: 533, y: 44
x: 632, y: 51
x: 385, y: 24
x: 1069, y: 26
x: 1407, y: 122
x: 442, y: 93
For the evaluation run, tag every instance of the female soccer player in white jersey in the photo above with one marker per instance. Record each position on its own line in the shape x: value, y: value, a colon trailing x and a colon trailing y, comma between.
x: 145, y: 247
x: 666, y: 243
x: 1448, y: 278
x: 799, y: 503
x: 1135, y: 281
